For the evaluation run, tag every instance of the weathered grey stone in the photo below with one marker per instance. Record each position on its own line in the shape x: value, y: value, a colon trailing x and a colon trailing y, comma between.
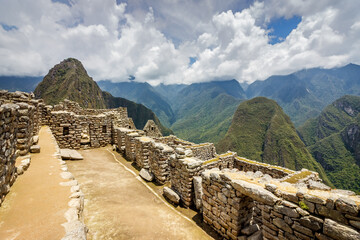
x: 74, y: 230
x: 67, y: 175
x: 343, y: 192
x: 318, y: 185
x: 355, y: 224
x: 250, y: 229
x: 302, y: 229
x: 35, y: 149
x: 198, y: 192
x: 339, y: 231
x: 314, y: 199
x: 287, y: 211
x: 311, y: 222
x: 256, y: 236
x: 70, y: 154
x: 282, y: 225
x: 171, y: 195
x: 35, y: 139
x: 321, y: 236
x: 346, y: 205
x: 271, y: 187
x: 146, y: 175
x: 255, y: 191
x: 333, y: 214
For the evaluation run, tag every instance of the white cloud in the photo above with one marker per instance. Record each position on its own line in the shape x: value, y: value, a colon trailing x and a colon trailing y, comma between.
x: 153, y: 40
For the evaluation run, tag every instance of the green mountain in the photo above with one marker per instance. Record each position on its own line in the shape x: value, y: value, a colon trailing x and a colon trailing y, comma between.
x: 203, y: 110
x: 142, y: 93
x: 333, y: 138
x: 261, y: 131
x: 305, y: 93
x: 70, y: 80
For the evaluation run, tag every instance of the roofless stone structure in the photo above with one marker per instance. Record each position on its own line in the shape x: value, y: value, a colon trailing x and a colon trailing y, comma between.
x: 238, y: 197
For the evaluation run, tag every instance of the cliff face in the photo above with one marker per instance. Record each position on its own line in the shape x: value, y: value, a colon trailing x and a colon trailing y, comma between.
x: 70, y: 80
x: 260, y: 130
x: 333, y: 138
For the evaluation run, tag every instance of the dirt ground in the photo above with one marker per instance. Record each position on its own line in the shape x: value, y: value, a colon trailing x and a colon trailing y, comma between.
x: 35, y: 206
x: 119, y: 206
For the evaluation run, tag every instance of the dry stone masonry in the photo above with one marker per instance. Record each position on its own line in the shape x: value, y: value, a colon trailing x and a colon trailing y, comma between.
x: 239, y: 198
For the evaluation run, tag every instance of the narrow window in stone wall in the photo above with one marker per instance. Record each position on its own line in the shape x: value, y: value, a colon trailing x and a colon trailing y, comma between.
x: 129, y: 127
x: 152, y: 128
x: 65, y: 131
x: 104, y: 129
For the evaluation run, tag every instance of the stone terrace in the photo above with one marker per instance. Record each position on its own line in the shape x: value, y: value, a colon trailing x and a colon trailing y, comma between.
x: 237, y: 197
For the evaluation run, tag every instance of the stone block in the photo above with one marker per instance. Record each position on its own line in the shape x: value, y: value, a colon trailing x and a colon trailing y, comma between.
x: 35, y: 149
x: 339, y: 231
x: 171, y: 195
x: 282, y: 225
x: 146, y: 175
x: 346, y: 205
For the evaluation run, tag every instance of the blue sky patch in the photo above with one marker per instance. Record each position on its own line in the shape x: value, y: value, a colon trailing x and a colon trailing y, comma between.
x: 8, y: 27
x: 67, y: 2
x: 192, y: 61
x: 281, y: 28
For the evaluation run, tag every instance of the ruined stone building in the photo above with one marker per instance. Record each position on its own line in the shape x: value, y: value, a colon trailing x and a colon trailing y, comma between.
x: 239, y: 198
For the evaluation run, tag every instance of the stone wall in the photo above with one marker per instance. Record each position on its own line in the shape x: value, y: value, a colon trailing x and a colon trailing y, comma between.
x: 121, y: 133
x: 75, y: 127
x: 244, y: 164
x: 143, y: 147
x: 159, y: 161
x: 279, y: 209
x: 182, y: 172
x: 8, y: 152
x: 66, y: 128
x: 30, y: 117
x: 204, y: 151
x: 151, y: 129
x: 227, y: 210
x: 130, y: 139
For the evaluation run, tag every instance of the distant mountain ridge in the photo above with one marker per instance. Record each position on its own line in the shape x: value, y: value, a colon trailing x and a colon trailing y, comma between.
x: 204, y: 110
x: 70, y: 80
x: 333, y: 138
x: 142, y: 93
x: 260, y: 130
x: 305, y: 93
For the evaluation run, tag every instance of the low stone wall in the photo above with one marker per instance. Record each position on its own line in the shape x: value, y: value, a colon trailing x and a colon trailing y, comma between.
x: 143, y: 147
x: 66, y: 128
x: 130, y: 144
x: 8, y: 153
x: 159, y: 161
x: 280, y: 209
x: 182, y: 172
x: 29, y: 119
x: 244, y: 164
x: 25, y: 128
x: 204, y: 151
x: 222, y: 161
x: 121, y: 133
x: 227, y: 210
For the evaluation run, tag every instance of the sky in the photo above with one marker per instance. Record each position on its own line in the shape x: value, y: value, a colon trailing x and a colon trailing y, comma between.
x: 178, y: 41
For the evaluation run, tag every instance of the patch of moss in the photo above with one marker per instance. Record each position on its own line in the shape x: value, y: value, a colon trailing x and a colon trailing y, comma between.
x: 303, y: 205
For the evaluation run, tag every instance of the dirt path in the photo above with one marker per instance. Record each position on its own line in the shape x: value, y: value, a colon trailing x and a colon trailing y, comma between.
x: 119, y: 206
x: 35, y: 206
